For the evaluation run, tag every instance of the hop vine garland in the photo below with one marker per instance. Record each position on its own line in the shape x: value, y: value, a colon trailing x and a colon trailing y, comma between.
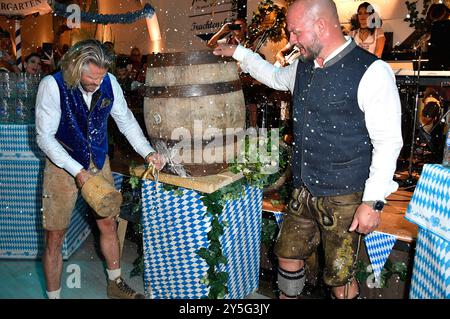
x: 263, y: 21
x: 364, y: 271
x: 415, y: 21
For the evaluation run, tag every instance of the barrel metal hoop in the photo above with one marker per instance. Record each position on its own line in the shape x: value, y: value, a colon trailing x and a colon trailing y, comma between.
x: 185, y: 58
x: 192, y: 90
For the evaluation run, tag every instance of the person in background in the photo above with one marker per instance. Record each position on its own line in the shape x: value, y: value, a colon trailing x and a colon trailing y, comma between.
x: 72, y: 109
x: 436, y: 12
x: 231, y: 33
x: 369, y: 35
x: 59, y: 52
x: 110, y: 46
x: 123, y: 74
x: 287, y: 55
x: 137, y: 69
x: 33, y: 63
x: 235, y: 32
x: 7, y: 58
x: 347, y: 138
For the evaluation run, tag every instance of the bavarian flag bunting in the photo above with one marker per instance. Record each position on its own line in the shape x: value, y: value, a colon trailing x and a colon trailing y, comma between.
x: 379, y: 246
x: 279, y: 216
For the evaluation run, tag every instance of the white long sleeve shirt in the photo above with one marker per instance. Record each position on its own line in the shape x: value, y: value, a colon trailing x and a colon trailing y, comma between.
x: 377, y: 97
x: 48, y: 116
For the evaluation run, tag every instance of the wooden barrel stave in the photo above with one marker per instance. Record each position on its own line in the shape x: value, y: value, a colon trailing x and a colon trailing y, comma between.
x: 180, y: 94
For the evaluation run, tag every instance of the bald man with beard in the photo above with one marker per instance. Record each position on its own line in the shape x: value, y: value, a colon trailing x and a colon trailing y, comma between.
x: 347, y: 138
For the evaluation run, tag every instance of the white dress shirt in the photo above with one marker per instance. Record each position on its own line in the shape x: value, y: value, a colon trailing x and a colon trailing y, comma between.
x: 48, y: 116
x: 377, y: 97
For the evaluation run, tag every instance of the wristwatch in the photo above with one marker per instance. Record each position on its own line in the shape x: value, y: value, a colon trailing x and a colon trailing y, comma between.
x: 376, y: 205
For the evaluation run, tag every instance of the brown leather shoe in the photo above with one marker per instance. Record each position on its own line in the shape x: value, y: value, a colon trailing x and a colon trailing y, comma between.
x: 118, y: 289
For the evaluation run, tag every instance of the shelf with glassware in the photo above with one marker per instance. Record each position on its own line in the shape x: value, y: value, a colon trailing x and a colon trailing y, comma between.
x: 18, y: 97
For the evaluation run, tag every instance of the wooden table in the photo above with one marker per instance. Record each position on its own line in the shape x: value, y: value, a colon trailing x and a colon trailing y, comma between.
x: 392, y: 218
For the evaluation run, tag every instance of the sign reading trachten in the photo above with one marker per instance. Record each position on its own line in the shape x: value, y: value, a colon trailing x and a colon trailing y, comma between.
x: 24, y: 7
x: 208, y: 16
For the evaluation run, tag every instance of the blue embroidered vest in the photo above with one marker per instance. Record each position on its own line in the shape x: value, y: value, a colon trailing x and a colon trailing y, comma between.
x: 332, y: 150
x: 83, y: 132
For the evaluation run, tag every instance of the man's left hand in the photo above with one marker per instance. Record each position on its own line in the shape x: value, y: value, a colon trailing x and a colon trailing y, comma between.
x: 157, y: 160
x: 366, y: 220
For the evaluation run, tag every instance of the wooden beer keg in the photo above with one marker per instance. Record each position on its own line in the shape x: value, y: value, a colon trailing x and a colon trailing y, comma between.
x: 188, y: 96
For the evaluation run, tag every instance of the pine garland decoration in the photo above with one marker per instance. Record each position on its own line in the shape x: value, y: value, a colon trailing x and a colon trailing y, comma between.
x: 415, y: 21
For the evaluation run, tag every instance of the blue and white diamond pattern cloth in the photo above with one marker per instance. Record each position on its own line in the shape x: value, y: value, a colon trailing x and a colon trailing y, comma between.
x: 431, y: 270
x: 241, y: 243
x: 279, y: 217
x: 379, y: 246
x: 19, y: 142
x: 175, y: 226
x: 118, y: 179
x: 429, y: 208
x: 21, y: 167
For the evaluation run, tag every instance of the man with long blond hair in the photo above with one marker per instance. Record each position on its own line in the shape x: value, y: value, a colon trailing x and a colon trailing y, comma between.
x: 72, y: 109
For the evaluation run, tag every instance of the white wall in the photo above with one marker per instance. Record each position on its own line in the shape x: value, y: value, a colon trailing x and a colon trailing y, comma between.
x: 126, y: 36
x: 175, y: 25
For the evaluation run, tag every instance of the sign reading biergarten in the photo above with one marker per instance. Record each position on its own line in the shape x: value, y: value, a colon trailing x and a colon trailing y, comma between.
x: 23, y: 7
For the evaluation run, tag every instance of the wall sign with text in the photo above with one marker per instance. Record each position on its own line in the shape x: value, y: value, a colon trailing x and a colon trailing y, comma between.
x: 206, y: 17
x: 24, y: 7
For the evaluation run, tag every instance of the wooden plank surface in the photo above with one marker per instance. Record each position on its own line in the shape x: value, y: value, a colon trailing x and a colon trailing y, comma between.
x: 392, y: 218
x: 205, y: 184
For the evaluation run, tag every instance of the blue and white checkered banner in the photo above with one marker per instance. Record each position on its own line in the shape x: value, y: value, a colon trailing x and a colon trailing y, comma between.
x: 175, y: 226
x: 118, y: 179
x: 429, y: 207
x: 431, y: 270
x: 279, y: 217
x: 379, y: 246
x: 18, y: 142
x: 21, y: 177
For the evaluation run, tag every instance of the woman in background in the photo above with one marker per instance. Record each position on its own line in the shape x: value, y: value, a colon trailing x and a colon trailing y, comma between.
x: 33, y: 63
x: 369, y: 34
x: 231, y: 33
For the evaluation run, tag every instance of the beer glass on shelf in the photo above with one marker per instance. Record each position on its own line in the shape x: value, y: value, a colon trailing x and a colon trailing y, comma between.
x: 6, y: 114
